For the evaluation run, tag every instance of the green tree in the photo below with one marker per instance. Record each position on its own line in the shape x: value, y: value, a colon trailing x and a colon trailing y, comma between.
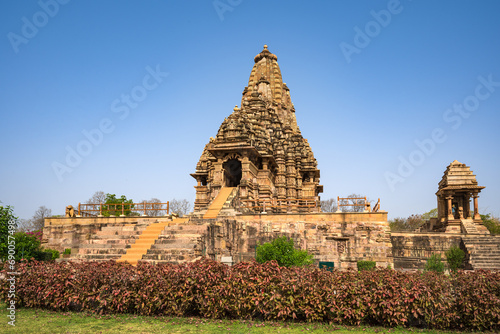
x: 455, y: 257
x: 491, y: 223
x: 7, y: 219
x: 431, y: 214
x: 282, y: 250
x: 116, y: 206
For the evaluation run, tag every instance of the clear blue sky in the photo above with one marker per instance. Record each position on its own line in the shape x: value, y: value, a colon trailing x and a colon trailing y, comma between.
x: 368, y: 79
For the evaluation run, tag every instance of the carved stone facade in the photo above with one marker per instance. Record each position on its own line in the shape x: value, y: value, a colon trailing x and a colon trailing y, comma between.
x: 259, y: 147
x: 455, y: 214
x: 341, y: 238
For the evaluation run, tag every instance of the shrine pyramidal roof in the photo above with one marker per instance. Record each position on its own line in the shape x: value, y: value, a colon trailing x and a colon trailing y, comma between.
x: 458, y: 176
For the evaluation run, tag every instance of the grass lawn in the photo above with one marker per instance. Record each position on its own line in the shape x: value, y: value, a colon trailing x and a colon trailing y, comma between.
x: 42, y: 321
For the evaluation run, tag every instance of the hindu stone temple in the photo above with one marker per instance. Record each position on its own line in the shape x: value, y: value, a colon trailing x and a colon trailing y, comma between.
x: 456, y: 189
x: 258, y: 180
x: 260, y: 150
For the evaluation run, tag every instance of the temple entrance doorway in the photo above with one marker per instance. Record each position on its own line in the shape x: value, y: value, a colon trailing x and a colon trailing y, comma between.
x: 232, y: 172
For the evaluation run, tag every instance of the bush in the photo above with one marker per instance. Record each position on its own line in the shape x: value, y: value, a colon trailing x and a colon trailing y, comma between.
x: 38, y: 234
x: 284, y: 253
x: 67, y: 251
x: 455, y: 258
x: 27, y: 246
x: 435, y: 264
x: 366, y: 265
x: 54, y: 253
x: 41, y: 255
x: 267, y: 291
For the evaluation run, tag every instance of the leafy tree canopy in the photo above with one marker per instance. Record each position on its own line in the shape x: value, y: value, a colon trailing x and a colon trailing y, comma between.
x: 116, y: 206
x: 431, y: 214
x: 492, y: 223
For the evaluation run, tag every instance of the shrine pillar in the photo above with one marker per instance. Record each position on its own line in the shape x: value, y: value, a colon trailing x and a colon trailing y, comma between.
x: 476, y: 207
x: 449, y: 209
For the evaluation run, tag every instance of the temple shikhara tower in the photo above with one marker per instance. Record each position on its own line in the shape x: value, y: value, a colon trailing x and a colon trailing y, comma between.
x: 259, y: 151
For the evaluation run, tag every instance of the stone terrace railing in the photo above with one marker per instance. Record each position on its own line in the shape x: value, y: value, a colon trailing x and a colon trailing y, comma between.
x: 123, y: 209
x: 277, y: 205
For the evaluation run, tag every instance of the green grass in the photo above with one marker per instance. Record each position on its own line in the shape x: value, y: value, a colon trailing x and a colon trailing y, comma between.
x: 43, y: 321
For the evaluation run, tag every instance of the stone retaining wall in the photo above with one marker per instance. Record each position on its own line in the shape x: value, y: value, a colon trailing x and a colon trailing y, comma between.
x: 341, y: 238
x: 62, y: 233
x: 411, y: 250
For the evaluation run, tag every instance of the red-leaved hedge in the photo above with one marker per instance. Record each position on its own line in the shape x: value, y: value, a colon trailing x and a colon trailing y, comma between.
x: 251, y: 290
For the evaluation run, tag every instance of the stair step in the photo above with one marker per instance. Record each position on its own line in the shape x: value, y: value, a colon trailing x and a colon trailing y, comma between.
x: 145, y: 241
x: 160, y: 247
x: 218, y: 203
x: 484, y: 252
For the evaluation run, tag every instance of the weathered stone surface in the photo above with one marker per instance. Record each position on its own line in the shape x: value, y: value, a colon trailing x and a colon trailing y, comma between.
x: 87, y: 236
x: 342, y: 238
x: 482, y: 252
x: 411, y: 250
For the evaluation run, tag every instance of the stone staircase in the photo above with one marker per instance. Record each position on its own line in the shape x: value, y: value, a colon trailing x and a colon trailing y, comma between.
x: 178, y: 243
x: 483, y: 252
x: 468, y: 226
x: 227, y: 209
x: 147, y: 238
x: 218, y: 203
x: 111, y: 241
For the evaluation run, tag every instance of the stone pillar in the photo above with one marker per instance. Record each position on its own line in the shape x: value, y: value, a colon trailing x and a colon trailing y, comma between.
x: 476, y: 210
x: 450, y: 211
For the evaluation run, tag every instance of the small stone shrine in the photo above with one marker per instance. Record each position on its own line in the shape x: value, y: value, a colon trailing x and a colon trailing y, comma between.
x: 456, y: 189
